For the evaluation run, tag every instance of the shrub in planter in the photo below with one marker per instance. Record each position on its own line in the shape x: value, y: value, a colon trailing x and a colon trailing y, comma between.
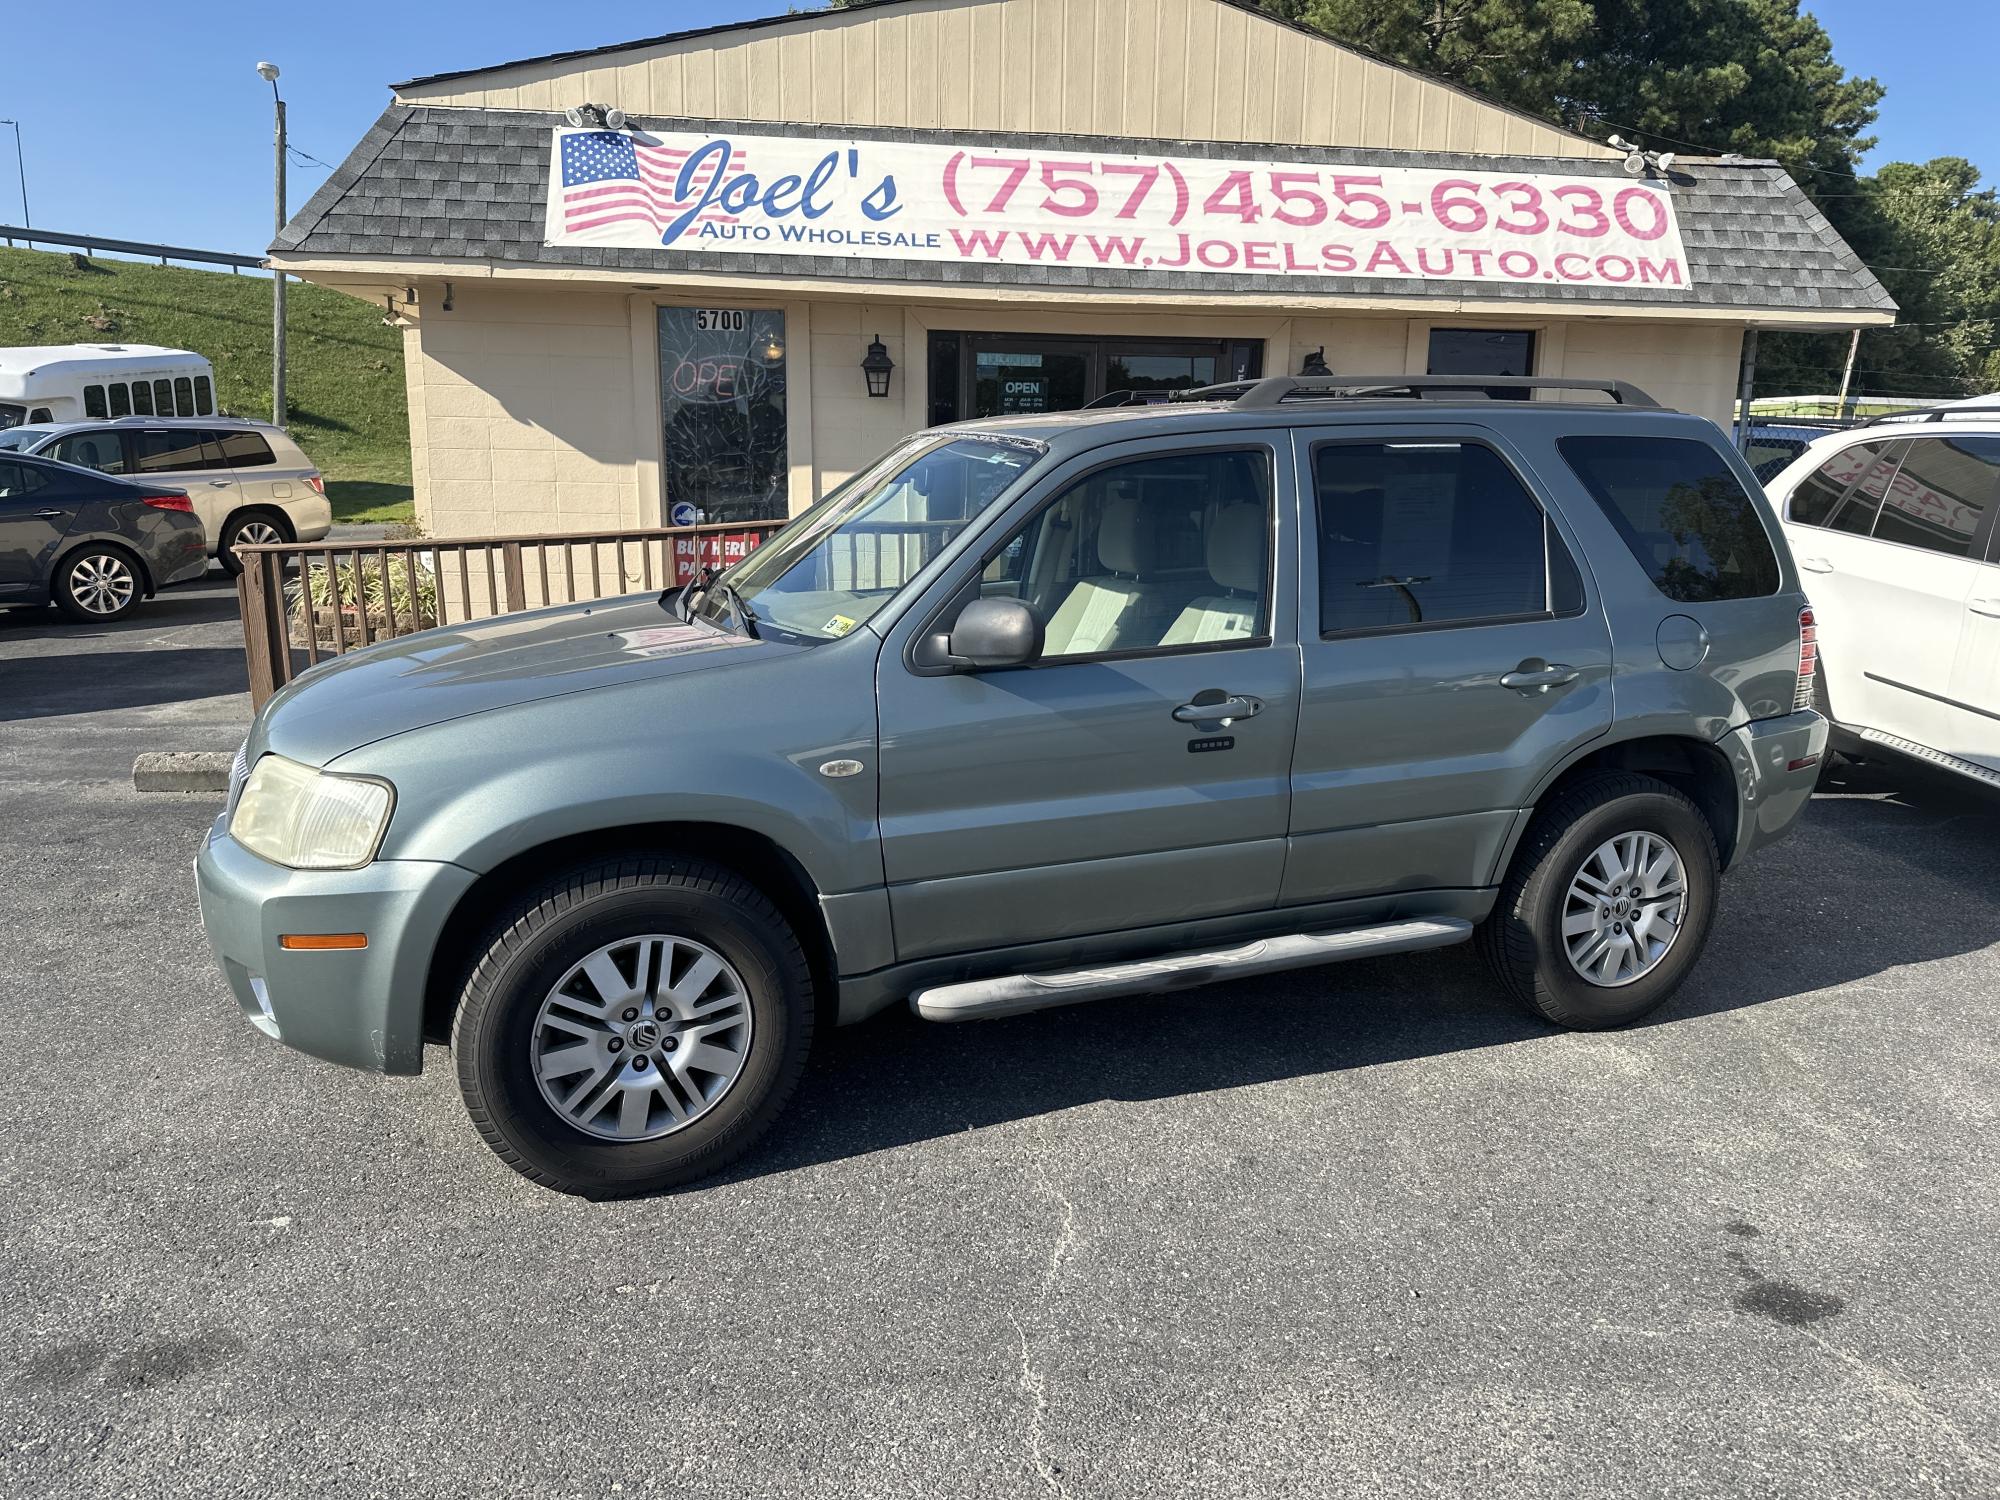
x: 331, y: 603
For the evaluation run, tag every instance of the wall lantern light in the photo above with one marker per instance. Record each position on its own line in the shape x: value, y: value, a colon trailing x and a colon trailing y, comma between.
x: 877, y: 367
x: 1315, y: 363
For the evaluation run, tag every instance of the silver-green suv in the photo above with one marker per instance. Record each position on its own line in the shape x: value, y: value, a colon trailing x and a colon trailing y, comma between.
x: 1036, y: 711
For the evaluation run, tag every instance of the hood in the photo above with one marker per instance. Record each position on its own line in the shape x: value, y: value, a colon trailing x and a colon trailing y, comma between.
x: 449, y: 673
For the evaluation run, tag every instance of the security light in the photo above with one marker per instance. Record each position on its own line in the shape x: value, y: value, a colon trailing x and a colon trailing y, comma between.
x: 1315, y: 363
x: 614, y: 119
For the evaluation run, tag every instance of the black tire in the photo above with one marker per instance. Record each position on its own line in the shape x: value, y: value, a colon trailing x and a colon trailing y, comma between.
x: 232, y: 533
x: 78, y: 585
x: 551, y: 929
x: 1522, y: 940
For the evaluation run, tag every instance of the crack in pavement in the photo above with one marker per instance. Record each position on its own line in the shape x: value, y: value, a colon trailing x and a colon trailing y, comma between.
x: 1033, y: 1383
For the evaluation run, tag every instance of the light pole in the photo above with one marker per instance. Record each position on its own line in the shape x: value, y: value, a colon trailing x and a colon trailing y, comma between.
x: 268, y: 71
x: 21, y: 166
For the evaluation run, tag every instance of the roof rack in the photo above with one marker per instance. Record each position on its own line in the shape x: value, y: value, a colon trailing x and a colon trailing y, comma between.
x: 1129, y: 398
x: 1936, y: 414
x: 1277, y: 389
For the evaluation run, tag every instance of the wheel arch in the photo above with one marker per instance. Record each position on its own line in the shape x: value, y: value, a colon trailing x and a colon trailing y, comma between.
x: 267, y: 509
x: 1695, y: 767
x: 768, y: 865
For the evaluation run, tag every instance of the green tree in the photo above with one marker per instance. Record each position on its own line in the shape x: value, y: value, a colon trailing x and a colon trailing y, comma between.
x: 1932, y: 234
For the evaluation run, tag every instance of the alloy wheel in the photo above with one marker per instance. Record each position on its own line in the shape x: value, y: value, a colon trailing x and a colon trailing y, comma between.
x: 258, y: 534
x: 102, y: 583
x: 642, y: 1038
x: 1624, y: 909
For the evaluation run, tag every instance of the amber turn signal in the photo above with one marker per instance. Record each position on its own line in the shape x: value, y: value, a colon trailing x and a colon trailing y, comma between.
x: 321, y: 942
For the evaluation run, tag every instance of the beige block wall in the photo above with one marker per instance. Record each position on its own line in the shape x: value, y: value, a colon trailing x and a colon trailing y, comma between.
x: 521, y: 411
x: 537, y: 409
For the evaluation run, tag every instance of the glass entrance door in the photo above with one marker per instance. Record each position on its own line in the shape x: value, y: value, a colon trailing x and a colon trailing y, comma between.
x: 1013, y: 377
x: 994, y: 374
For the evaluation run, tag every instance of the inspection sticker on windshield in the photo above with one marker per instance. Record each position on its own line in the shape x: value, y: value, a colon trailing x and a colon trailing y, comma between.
x: 839, y: 625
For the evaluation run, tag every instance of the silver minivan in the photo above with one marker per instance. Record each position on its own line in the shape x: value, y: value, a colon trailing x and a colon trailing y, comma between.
x: 250, y: 483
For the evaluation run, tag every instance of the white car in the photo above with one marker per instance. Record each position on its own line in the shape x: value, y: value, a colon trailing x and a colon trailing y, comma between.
x: 250, y: 483
x: 1893, y: 529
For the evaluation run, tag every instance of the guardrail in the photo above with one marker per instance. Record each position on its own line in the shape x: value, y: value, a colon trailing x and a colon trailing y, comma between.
x: 304, y: 601
x: 162, y: 253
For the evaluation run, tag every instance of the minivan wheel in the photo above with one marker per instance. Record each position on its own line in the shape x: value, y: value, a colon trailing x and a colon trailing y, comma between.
x: 632, y: 1026
x: 97, y: 583
x: 1608, y: 903
x: 248, y: 528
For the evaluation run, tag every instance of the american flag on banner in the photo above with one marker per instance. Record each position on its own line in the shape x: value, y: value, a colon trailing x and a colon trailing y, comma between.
x: 609, y: 178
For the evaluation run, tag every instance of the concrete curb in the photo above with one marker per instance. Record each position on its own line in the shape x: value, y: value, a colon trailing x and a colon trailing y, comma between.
x: 182, y: 771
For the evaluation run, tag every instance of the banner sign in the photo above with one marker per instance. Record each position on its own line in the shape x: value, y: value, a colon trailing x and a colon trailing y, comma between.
x: 807, y: 197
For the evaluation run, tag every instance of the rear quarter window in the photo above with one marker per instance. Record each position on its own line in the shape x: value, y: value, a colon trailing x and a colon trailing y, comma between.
x: 1681, y: 510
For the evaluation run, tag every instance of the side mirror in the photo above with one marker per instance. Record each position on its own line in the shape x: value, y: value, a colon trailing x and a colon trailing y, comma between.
x: 987, y: 633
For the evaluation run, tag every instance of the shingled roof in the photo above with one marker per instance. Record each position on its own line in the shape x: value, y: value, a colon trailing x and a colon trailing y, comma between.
x: 453, y: 184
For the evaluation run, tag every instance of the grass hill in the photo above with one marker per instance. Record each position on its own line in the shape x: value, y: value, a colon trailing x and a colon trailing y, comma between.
x: 343, y: 374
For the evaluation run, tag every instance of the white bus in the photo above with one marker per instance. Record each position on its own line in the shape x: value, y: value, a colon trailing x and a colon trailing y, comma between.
x: 72, y: 382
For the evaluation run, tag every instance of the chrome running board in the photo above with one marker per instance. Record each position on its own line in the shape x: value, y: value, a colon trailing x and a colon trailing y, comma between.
x: 981, y: 999
x: 1929, y: 756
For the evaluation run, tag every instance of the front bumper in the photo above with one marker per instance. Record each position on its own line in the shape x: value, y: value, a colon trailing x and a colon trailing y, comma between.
x: 363, y: 1008
x: 1777, y: 765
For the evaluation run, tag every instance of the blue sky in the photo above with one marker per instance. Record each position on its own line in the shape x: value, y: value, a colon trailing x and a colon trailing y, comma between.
x: 148, y: 121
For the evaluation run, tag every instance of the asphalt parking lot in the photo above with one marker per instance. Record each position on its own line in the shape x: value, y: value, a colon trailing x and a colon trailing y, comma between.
x: 1363, y: 1231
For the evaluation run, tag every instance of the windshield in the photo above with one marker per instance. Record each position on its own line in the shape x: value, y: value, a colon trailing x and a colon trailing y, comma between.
x: 11, y: 415
x: 827, y: 573
x: 17, y: 438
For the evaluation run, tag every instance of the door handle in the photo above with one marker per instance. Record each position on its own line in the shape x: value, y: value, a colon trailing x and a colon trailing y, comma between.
x: 48, y: 515
x: 1539, y: 679
x: 1218, y: 709
x: 1985, y: 607
x: 1815, y: 565
x: 221, y: 484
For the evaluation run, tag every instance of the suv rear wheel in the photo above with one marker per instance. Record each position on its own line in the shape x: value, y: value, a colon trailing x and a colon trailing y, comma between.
x: 249, y: 528
x: 634, y: 1025
x: 1608, y: 903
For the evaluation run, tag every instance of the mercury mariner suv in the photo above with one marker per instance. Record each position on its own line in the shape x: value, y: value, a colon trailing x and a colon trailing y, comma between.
x: 1040, y: 710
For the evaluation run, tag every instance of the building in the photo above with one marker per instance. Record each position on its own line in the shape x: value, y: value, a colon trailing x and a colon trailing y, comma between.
x: 996, y: 205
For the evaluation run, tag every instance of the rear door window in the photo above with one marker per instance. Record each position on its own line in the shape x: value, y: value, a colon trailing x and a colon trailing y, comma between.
x: 1844, y: 493
x: 1417, y: 534
x: 1683, y: 513
x: 17, y: 480
x: 175, y: 450
x: 1939, y: 497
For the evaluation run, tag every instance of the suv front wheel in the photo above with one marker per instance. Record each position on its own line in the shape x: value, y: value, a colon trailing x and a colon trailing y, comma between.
x: 1608, y: 903
x: 635, y: 1024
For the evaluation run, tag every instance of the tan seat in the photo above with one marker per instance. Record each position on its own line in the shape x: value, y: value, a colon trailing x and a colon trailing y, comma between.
x: 1234, y: 548
x: 1112, y: 613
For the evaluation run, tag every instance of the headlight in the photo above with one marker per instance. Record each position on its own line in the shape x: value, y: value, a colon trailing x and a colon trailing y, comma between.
x: 310, y: 820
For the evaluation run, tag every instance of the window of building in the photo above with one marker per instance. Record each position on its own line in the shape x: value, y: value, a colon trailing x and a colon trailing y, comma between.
x: 102, y: 451
x: 242, y: 450
x: 1432, y: 533
x: 1682, y: 512
x: 722, y: 411
x: 1484, y: 351
x: 1939, y: 495
x: 1160, y: 553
